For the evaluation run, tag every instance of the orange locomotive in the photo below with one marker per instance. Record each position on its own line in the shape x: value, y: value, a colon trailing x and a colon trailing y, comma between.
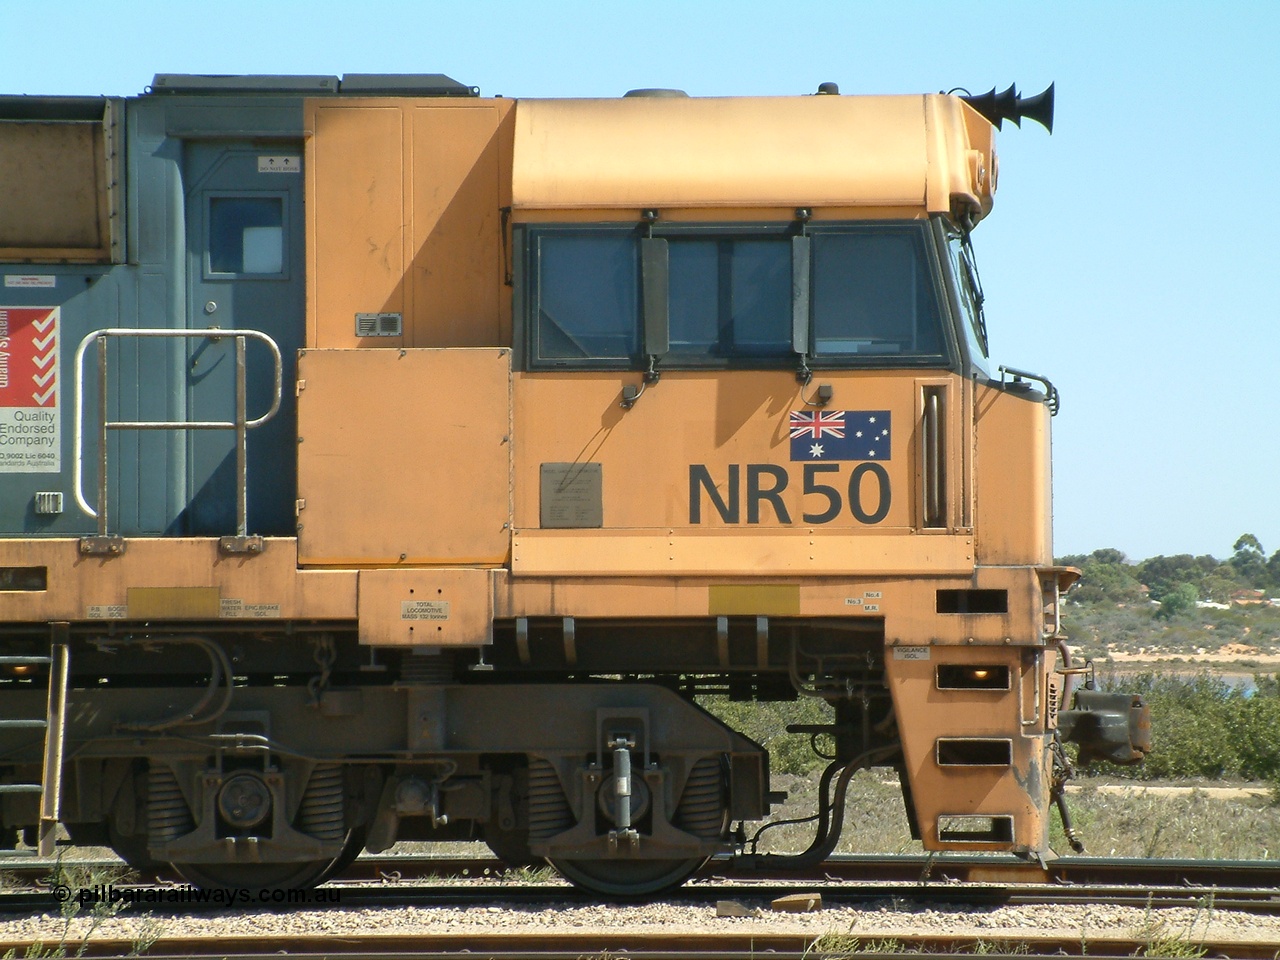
x: 414, y: 460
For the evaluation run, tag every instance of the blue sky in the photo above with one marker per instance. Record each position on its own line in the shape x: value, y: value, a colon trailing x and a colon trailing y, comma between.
x: 1129, y: 257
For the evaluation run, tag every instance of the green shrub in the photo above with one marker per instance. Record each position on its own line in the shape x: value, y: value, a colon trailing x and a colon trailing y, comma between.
x: 1205, y: 727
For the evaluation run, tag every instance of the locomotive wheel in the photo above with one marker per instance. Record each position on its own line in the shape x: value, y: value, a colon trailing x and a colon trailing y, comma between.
x: 252, y: 876
x: 353, y: 849
x: 511, y: 847
x: 132, y: 849
x: 627, y: 878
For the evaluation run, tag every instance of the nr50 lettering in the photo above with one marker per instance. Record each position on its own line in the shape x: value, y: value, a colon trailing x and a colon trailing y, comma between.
x: 866, y: 492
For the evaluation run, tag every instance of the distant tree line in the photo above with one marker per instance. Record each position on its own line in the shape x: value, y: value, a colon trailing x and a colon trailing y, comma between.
x: 1177, y: 582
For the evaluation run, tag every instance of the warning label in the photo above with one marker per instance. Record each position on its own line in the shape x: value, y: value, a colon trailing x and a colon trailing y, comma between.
x: 111, y: 611
x: 30, y: 421
x: 239, y: 610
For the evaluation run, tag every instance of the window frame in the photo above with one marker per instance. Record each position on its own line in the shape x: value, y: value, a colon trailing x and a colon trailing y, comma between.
x: 783, y: 234
x: 525, y: 299
x: 967, y: 335
x: 945, y: 358
x: 930, y: 232
x: 206, y: 259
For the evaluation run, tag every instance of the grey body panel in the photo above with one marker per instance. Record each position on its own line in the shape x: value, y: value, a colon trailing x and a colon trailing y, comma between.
x: 155, y: 476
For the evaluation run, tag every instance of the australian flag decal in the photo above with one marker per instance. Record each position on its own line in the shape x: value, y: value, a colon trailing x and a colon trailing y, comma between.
x: 840, y: 435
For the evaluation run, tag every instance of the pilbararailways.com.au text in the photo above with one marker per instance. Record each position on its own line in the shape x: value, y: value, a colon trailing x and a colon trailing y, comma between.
x: 227, y: 896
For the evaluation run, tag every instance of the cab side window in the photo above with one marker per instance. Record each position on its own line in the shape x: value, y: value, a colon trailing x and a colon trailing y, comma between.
x: 874, y: 294
x: 586, y: 296
x: 690, y: 295
x: 729, y: 297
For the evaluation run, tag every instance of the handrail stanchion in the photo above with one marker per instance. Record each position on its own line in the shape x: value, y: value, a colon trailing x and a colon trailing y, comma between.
x: 104, y: 544
x: 104, y: 502
x: 242, y: 466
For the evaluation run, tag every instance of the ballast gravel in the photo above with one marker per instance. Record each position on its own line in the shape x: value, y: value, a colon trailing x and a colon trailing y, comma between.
x: 868, y: 922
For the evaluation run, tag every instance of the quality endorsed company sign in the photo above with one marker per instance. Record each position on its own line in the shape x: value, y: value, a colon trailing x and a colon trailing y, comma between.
x: 30, y: 425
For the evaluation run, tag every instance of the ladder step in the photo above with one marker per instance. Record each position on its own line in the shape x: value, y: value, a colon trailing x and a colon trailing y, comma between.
x: 23, y: 724
x: 24, y: 661
x: 21, y: 788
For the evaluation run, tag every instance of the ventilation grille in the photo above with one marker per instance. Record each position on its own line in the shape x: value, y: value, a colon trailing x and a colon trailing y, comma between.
x: 379, y: 325
x: 48, y: 503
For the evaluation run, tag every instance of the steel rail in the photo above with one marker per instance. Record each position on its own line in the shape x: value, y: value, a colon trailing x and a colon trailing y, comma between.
x: 648, y: 946
x: 912, y: 868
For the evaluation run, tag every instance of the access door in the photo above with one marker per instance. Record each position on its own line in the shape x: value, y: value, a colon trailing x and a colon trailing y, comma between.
x: 245, y: 271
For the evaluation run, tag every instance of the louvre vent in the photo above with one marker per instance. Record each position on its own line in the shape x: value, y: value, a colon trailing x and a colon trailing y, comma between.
x: 379, y: 325
x: 48, y: 503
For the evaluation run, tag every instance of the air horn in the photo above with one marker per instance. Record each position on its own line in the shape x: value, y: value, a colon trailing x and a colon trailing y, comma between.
x: 1008, y: 105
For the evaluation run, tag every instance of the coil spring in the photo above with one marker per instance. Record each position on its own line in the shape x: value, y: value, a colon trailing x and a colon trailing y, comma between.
x: 701, y: 810
x: 168, y: 816
x: 549, y: 812
x: 320, y: 814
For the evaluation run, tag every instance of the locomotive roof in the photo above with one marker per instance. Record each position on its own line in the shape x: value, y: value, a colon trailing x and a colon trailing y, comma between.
x: 928, y: 152
x: 351, y: 84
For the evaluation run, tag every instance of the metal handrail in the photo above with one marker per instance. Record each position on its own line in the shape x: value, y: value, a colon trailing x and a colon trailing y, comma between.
x: 1051, y: 398
x: 240, y: 425
x: 932, y: 460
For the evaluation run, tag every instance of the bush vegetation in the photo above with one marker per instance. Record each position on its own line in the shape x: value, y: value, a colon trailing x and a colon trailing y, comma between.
x: 1205, y: 727
x: 1109, y: 576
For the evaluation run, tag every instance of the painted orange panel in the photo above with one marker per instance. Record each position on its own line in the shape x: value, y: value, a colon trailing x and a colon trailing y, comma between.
x: 1019, y: 790
x: 1013, y: 480
x: 405, y: 199
x: 426, y: 608
x: 697, y: 478
x: 731, y: 553
x: 159, y: 577
x: 458, y: 295
x: 713, y: 419
x: 907, y: 604
x: 355, y: 216
x: 710, y: 152
x: 403, y: 456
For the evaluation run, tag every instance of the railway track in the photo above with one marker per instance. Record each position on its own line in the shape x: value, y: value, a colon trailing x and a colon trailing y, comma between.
x: 1258, y: 875
x: 1248, y: 886
x: 650, y: 946
x: 952, y: 886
